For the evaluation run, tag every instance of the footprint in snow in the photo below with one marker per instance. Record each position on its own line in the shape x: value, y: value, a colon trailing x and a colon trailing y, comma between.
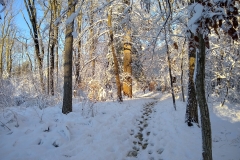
x: 141, y: 141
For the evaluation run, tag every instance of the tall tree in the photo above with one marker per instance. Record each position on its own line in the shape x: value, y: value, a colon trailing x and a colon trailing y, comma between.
x: 68, y: 47
x: 35, y: 32
x: 200, y: 88
x: 127, y: 56
x: 59, y: 5
x: 203, y: 30
x: 170, y: 70
x: 116, y: 67
x: 191, y: 108
x: 92, y: 37
x: 53, y: 40
x: 78, y: 57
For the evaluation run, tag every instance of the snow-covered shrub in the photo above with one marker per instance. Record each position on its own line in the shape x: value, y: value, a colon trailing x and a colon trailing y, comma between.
x: 6, y: 93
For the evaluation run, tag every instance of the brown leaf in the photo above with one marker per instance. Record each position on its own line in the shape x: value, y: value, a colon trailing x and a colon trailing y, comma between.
x: 228, y: 12
x: 231, y: 31
x: 220, y: 23
x: 209, y: 4
x: 235, y: 37
x: 215, y: 25
x: 235, y: 22
x: 175, y: 45
x: 225, y: 4
x: 206, y: 40
x: 207, y: 20
x: 196, y: 38
x: 235, y: 11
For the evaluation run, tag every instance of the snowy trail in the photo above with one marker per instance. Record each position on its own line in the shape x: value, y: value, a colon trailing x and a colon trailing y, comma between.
x: 141, y: 137
x: 138, y: 129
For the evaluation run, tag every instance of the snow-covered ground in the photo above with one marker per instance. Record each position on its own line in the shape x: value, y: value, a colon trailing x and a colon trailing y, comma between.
x: 143, y: 128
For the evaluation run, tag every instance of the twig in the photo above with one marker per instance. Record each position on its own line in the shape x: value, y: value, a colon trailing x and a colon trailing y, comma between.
x: 5, y: 126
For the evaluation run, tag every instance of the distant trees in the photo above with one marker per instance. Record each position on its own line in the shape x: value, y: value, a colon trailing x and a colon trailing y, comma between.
x: 7, y: 38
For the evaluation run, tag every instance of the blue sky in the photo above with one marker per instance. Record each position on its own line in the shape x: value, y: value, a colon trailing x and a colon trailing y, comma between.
x: 20, y: 22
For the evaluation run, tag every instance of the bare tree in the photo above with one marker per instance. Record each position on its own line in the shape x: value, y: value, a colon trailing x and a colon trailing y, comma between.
x: 127, y: 57
x: 116, y: 67
x: 35, y: 33
x: 68, y: 47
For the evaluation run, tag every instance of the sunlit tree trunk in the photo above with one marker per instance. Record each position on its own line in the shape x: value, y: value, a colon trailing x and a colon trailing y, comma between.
x: 59, y: 4
x: 68, y: 47
x: 91, y: 36
x: 127, y: 59
x: 77, y: 63
x: 116, y: 69
x: 191, y: 108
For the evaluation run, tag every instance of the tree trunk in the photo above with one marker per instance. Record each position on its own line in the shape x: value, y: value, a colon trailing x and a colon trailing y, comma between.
x: 200, y: 88
x: 53, y: 37
x: 127, y: 67
x: 116, y: 69
x: 170, y: 71
x: 182, y: 88
x: 92, y: 44
x: 67, y: 95
x: 127, y: 59
x: 78, y: 78
x: 191, y: 108
x: 32, y: 13
x: 1, y: 59
x: 59, y: 4
x: 48, y: 57
x: 7, y: 53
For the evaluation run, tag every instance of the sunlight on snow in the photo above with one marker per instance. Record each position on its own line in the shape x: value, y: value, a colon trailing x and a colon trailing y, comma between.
x: 227, y: 113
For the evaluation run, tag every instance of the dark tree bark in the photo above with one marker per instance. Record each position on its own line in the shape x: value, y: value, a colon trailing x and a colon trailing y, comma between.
x: 68, y: 47
x: 32, y: 13
x: 200, y: 88
x: 182, y: 88
x: 53, y: 40
x: 170, y: 71
x: 191, y: 108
